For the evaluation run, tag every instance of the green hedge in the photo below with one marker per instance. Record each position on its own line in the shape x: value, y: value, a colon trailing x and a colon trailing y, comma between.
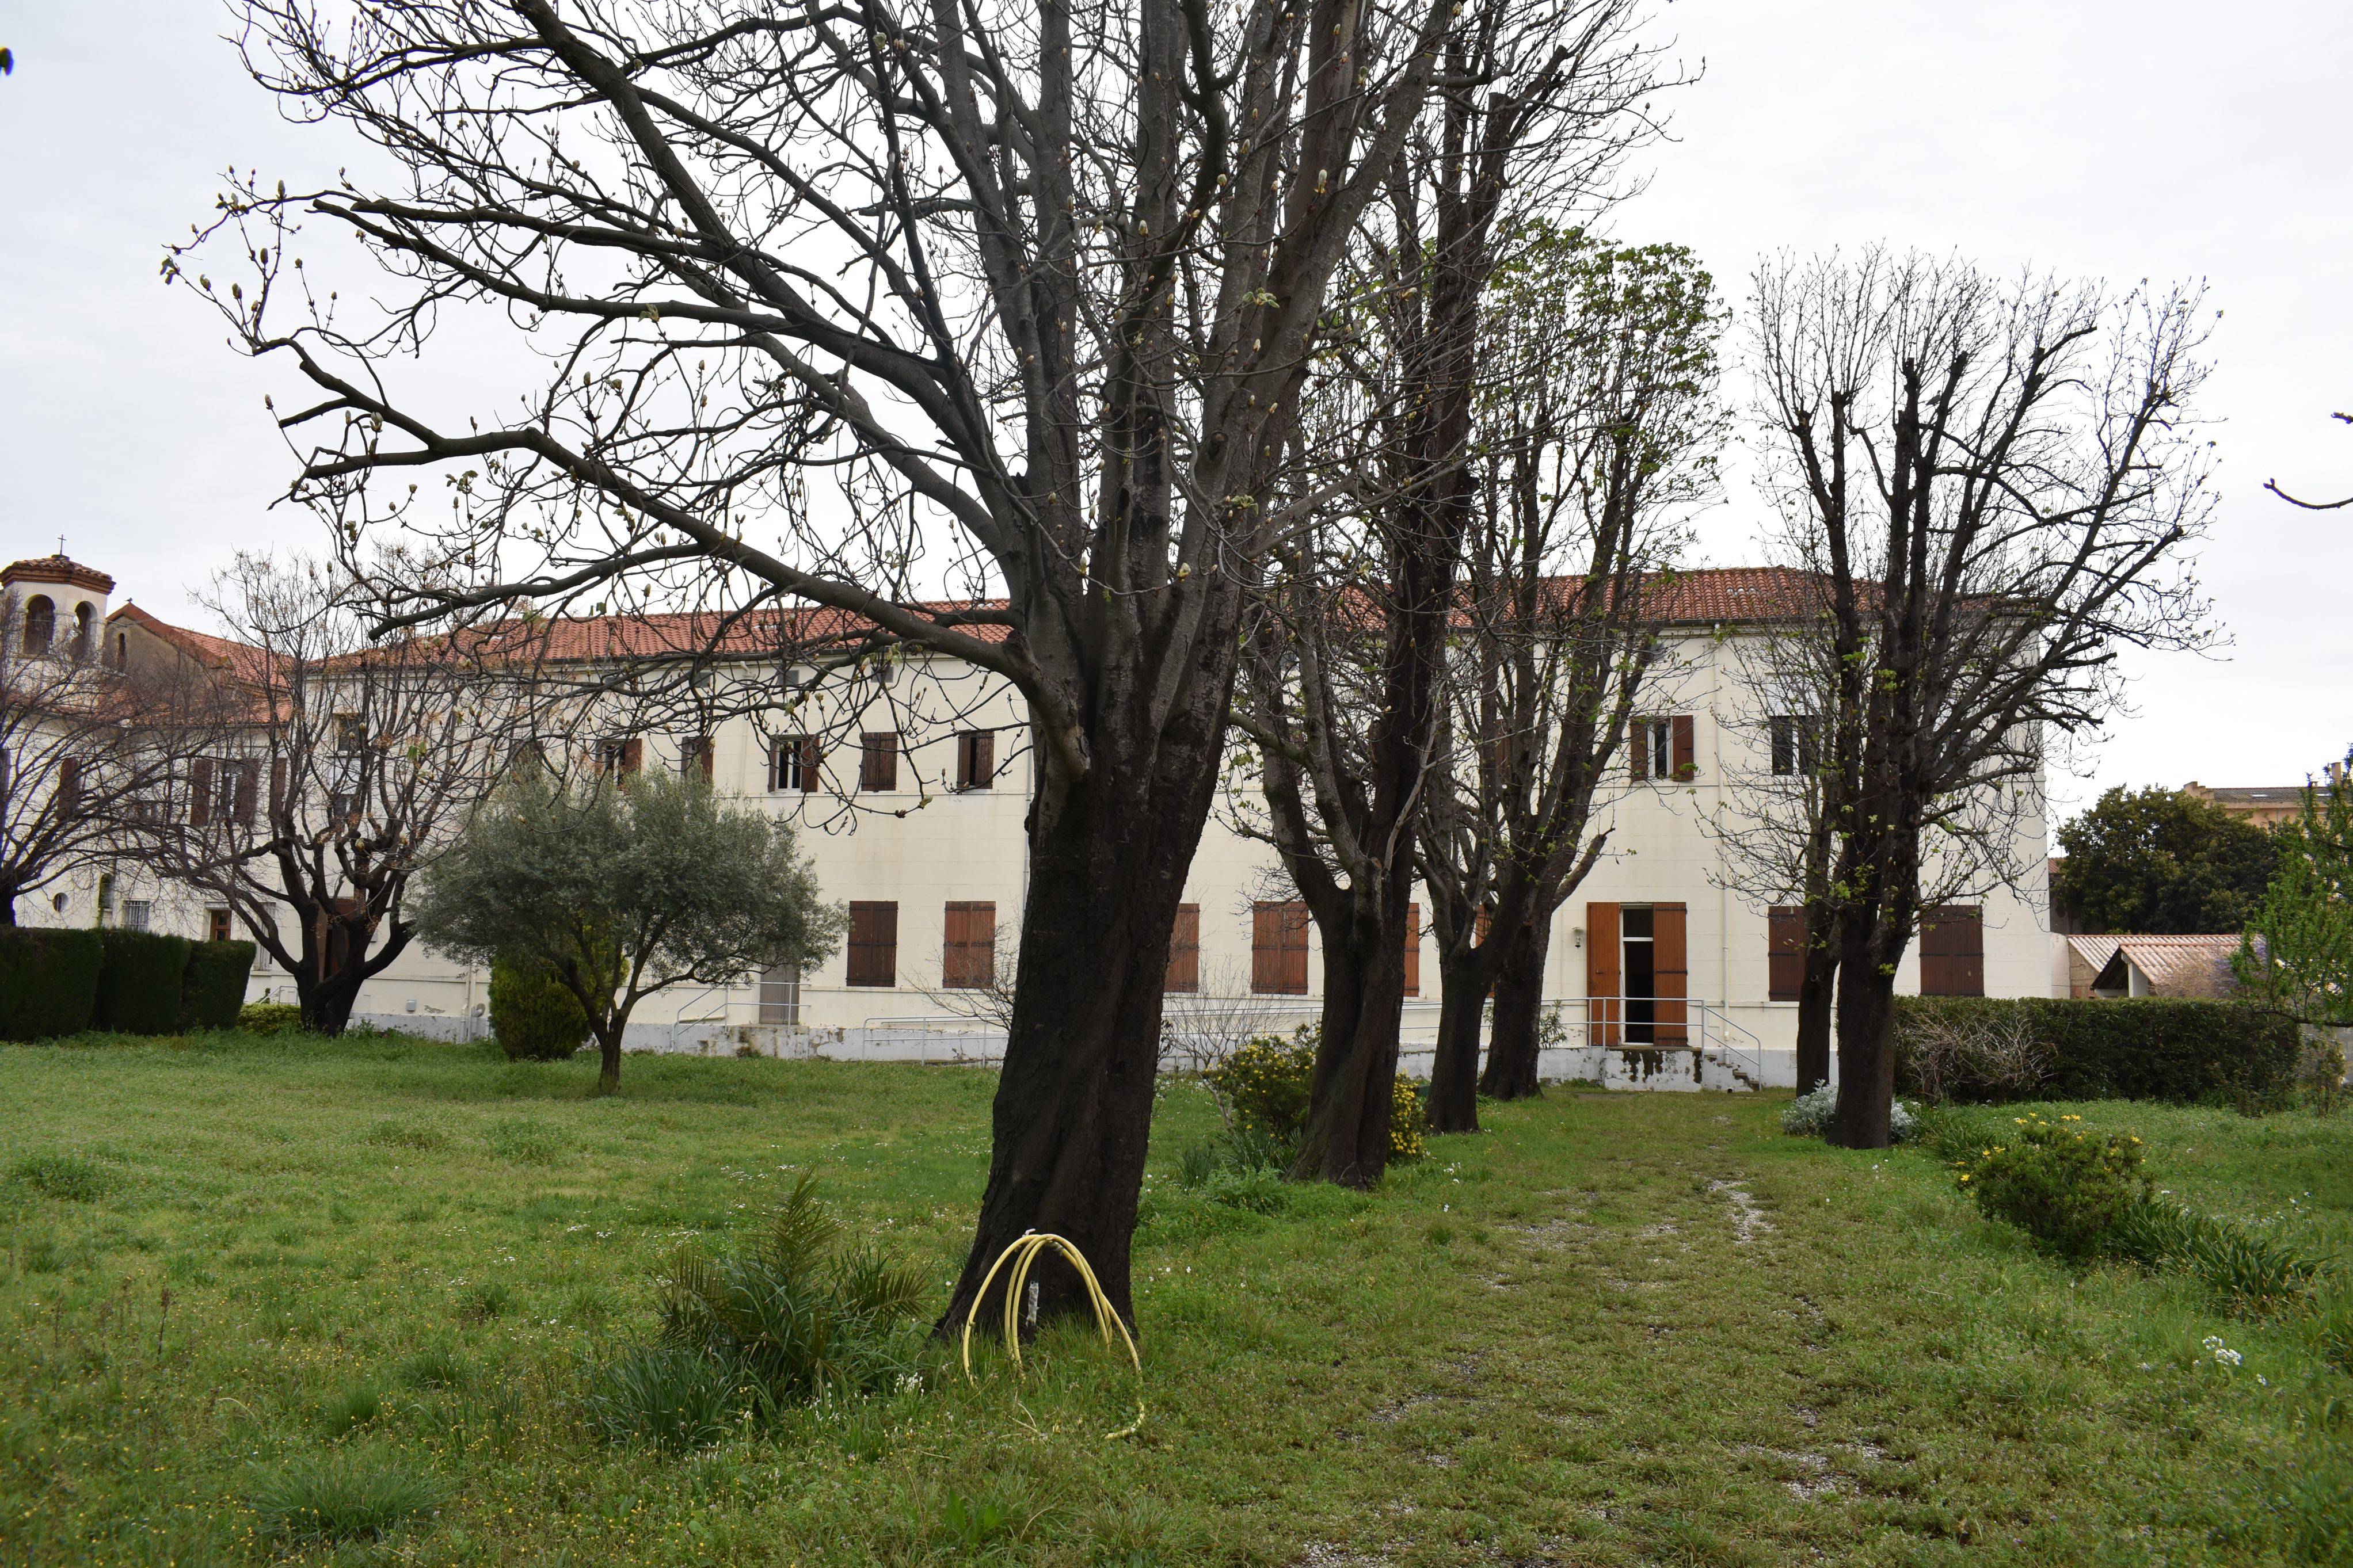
x: 270, y: 1018
x: 213, y: 990
x: 139, y: 989
x: 49, y: 982
x: 2231, y: 1053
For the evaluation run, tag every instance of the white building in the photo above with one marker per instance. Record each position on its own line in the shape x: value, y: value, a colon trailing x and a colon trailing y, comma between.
x: 918, y: 826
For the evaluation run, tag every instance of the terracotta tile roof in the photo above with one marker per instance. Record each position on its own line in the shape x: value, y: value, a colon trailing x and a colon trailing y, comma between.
x: 1734, y: 594
x: 749, y: 636
x: 240, y: 659
x: 56, y: 569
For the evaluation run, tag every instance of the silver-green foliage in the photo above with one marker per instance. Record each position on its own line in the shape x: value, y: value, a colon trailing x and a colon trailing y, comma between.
x: 1810, y: 1115
x: 620, y: 893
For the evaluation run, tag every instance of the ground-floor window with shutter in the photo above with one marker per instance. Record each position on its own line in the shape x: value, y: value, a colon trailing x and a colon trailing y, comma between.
x: 780, y: 993
x: 1279, y: 949
x: 1184, y: 951
x: 1952, y: 951
x: 1413, y: 950
x: 1785, y: 953
x: 217, y: 924
x: 968, y: 955
x: 873, y: 948
x: 878, y: 761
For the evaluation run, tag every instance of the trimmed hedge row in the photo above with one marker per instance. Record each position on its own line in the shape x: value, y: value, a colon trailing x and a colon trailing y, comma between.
x: 2231, y: 1053
x: 57, y: 983
x: 49, y: 982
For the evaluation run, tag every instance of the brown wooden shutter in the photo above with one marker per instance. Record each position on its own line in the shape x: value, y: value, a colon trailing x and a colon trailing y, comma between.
x: 69, y: 789
x: 968, y: 955
x: 248, y: 780
x: 1413, y: 950
x: 1482, y: 923
x: 1785, y: 953
x: 1184, y: 951
x: 878, y: 762
x: 1686, y: 754
x: 976, y: 760
x: 1640, y: 762
x: 811, y: 756
x: 696, y: 751
x: 1279, y: 949
x: 277, y: 791
x: 1670, y: 975
x: 1952, y: 951
x: 1603, y: 977
x: 200, y: 791
x: 633, y: 755
x: 873, y: 949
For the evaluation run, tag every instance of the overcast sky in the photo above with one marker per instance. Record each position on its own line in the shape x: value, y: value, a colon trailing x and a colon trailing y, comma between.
x: 2125, y: 139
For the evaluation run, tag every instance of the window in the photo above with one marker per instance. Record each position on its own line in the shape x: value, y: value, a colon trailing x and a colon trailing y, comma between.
x: 694, y: 756
x: 85, y: 623
x: 69, y: 783
x: 873, y: 944
x: 1413, y: 950
x: 1793, y: 743
x: 793, y: 764
x: 137, y: 913
x: 344, y: 806
x: 40, y: 624
x: 122, y: 650
x: 1662, y: 748
x: 1784, y: 953
x: 351, y: 734
x: 1279, y: 949
x: 975, y: 759
x: 221, y: 791
x: 1952, y: 951
x: 1184, y: 951
x: 968, y: 954
x: 780, y: 993
x: 621, y: 757
x: 217, y: 924
x: 878, y: 759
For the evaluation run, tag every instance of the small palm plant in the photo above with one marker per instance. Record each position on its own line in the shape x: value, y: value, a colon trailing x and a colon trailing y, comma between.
x: 798, y: 1318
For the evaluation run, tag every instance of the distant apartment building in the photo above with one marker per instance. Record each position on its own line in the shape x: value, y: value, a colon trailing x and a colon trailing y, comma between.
x: 912, y: 809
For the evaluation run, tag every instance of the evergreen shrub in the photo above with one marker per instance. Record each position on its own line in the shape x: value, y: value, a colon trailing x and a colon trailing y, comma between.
x: 2183, y: 1052
x: 139, y: 988
x: 49, y: 982
x: 533, y: 1014
x: 212, y: 992
x: 1267, y: 1082
x: 2070, y: 1189
x: 270, y: 1018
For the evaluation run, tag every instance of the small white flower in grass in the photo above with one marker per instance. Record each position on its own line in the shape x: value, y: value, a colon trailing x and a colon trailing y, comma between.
x: 2224, y: 1354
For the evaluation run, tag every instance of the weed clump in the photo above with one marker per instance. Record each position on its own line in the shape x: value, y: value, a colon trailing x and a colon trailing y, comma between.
x: 393, y: 1133
x: 522, y: 1142
x: 74, y: 1177
x: 798, y: 1319
x: 339, y: 1497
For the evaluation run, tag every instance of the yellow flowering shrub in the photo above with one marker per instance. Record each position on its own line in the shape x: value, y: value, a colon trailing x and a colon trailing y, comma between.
x: 2064, y: 1185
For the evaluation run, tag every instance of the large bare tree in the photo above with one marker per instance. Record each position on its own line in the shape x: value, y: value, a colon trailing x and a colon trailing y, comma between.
x: 1344, y: 683
x: 346, y: 763
x: 2000, y: 484
x: 844, y: 305
x: 1596, y: 433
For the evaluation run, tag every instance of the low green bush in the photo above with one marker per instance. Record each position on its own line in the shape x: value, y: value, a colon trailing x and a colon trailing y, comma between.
x: 2181, y: 1052
x: 533, y: 1015
x: 139, y: 988
x: 339, y: 1497
x: 270, y: 1018
x: 1265, y: 1086
x: 212, y: 991
x: 799, y: 1318
x: 2068, y: 1188
x: 49, y: 982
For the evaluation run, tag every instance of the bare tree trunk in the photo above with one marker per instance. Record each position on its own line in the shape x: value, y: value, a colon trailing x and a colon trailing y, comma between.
x: 1866, y: 1042
x: 1347, y: 1138
x: 609, y: 1057
x: 1464, y: 981
x: 1073, y: 1112
x: 1817, y: 996
x: 1512, y: 1053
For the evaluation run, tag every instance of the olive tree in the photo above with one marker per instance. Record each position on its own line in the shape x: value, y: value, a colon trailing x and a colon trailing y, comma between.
x: 621, y: 892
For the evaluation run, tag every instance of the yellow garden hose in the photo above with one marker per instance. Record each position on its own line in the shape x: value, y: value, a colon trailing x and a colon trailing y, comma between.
x: 1028, y: 1245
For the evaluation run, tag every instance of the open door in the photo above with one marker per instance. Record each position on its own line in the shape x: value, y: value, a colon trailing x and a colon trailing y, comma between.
x: 1670, y: 975
x: 1604, y: 980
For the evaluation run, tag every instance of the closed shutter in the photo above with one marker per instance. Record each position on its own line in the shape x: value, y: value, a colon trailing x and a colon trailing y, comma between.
x: 811, y: 756
x: 277, y: 791
x: 248, y: 780
x: 1279, y: 949
x: 1686, y: 754
x: 1184, y: 951
x: 694, y: 754
x: 1413, y: 950
x: 968, y: 954
x: 1603, y: 978
x: 878, y: 765
x: 873, y: 950
x: 68, y: 791
x: 1639, y: 748
x: 200, y: 791
x: 1670, y: 974
x: 1784, y: 953
x: 1952, y: 951
x: 633, y: 756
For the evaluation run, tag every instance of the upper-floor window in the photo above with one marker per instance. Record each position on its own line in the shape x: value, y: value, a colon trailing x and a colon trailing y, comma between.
x: 793, y: 764
x: 694, y: 756
x: 85, y: 628
x: 1794, y: 748
x: 1662, y: 748
x: 351, y: 733
x: 40, y: 623
x: 878, y: 759
x: 976, y: 760
x: 621, y: 757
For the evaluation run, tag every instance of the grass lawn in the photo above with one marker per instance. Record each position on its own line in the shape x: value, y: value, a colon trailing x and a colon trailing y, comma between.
x: 1616, y: 1329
